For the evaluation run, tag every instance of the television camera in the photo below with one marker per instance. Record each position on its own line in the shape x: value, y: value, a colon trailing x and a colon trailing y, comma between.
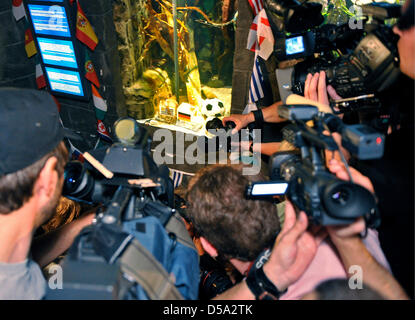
x: 136, y: 188
x: 303, y: 177
x: 360, y: 57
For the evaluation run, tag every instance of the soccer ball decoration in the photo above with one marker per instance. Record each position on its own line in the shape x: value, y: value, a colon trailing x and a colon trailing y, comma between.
x: 213, y: 108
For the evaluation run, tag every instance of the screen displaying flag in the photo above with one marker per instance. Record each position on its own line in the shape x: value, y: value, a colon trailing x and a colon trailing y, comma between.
x: 90, y: 73
x: 99, y: 103
x: 84, y: 31
x: 29, y: 43
x: 18, y: 9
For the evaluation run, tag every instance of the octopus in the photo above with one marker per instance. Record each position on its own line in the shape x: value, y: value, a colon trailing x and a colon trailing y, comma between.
x: 228, y: 9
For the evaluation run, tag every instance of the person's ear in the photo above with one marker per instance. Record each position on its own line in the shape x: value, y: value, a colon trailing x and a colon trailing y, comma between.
x: 47, y: 182
x: 397, y: 31
x: 208, y: 247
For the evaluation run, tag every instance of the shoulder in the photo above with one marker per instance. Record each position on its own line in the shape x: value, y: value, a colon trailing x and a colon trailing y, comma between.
x: 22, y: 281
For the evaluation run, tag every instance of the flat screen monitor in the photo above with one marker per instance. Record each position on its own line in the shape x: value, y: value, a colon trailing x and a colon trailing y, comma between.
x: 65, y: 81
x: 49, y: 20
x: 57, y: 52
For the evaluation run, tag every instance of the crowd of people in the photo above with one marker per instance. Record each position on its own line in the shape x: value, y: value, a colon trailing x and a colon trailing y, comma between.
x: 305, y: 261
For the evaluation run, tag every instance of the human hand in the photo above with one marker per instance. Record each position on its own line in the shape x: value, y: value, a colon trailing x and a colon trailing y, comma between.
x: 338, y: 168
x: 240, y: 120
x: 293, y: 251
x: 315, y: 88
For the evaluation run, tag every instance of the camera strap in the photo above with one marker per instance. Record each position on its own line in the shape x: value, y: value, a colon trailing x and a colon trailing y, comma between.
x: 258, y: 282
x: 139, y: 266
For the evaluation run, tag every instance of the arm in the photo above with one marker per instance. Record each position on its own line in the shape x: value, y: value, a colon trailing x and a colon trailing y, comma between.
x: 353, y: 252
x: 242, y: 120
x: 48, y: 247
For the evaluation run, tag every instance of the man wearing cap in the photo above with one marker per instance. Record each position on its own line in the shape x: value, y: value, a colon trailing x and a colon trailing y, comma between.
x: 32, y: 160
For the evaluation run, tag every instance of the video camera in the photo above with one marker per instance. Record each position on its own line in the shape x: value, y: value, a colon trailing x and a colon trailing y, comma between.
x: 137, y: 189
x: 360, y: 58
x: 303, y: 176
x: 130, y: 161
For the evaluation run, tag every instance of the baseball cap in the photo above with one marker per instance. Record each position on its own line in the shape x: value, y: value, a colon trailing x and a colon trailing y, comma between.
x: 30, y: 127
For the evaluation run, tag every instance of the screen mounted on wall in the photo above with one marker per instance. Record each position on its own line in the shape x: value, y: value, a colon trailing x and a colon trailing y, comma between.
x: 49, y: 20
x: 65, y: 81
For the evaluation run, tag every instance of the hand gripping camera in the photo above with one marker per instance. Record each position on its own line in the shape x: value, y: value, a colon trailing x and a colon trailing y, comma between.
x: 304, y: 178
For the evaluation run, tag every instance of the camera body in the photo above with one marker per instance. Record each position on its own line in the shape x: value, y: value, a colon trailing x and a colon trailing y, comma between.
x: 359, y: 62
x: 326, y: 199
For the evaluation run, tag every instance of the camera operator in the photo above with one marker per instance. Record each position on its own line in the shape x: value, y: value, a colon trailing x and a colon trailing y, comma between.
x: 238, y: 229
x: 393, y: 175
x: 32, y: 160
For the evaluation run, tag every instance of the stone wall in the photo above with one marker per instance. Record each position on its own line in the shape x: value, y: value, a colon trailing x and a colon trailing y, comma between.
x: 16, y: 70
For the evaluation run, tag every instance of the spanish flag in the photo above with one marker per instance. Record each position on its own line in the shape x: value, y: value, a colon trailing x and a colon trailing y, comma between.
x: 90, y: 73
x: 84, y: 31
x: 29, y: 43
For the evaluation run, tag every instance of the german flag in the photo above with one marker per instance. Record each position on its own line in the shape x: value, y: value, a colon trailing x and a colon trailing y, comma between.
x: 184, y: 116
x: 29, y: 43
x: 84, y: 31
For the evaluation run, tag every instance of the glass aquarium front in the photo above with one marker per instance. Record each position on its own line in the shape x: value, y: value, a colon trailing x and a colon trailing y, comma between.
x: 177, y: 57
x: 183, y: 74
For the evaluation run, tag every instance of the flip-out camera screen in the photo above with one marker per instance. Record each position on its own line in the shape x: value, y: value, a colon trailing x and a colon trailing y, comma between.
x: 65, y: 81
x: 294, y: 45
x: 264, y: 189
x: 49, y: 20
x: 57, y: 52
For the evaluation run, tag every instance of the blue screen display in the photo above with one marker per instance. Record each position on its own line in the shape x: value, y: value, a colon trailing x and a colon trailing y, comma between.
x: 57, y: 52
x: 65, y: 81
x: 294, y: 45
x: 49, y: 20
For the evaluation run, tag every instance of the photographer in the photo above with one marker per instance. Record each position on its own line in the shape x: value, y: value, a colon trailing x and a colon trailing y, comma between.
x: 32, y: 160
x: 393, y: 175
x: 238, y: 229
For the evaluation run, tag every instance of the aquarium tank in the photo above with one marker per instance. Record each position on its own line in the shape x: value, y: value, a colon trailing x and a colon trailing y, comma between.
x: 177, y: 57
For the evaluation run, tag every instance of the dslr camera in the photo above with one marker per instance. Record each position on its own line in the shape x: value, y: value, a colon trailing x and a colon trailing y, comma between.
x: 302, y: 176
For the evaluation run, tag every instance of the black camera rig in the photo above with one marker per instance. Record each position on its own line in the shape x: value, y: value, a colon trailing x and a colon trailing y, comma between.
x: 303, y: 177
x: 360, y: 59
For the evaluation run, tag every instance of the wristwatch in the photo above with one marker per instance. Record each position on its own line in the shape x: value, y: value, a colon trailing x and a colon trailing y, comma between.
x: 259, y: 118
x: 261, y: 286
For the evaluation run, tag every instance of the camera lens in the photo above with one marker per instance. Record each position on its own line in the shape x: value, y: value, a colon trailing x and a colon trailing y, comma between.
x: 78, y: 183
x: 341, y: 197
